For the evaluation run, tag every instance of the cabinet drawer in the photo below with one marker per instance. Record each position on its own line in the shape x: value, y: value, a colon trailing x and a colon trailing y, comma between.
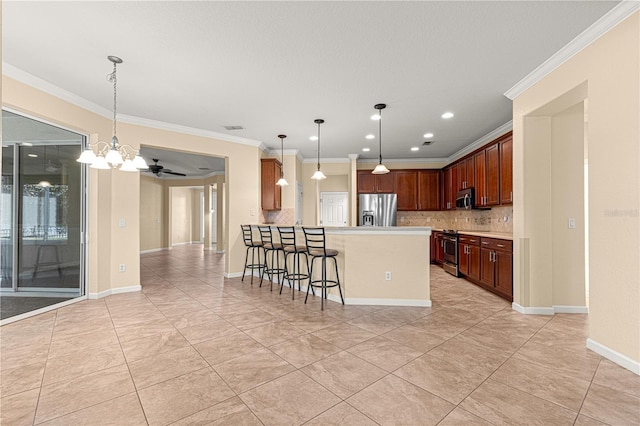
x: 469, y: 239
x: 495, y: 244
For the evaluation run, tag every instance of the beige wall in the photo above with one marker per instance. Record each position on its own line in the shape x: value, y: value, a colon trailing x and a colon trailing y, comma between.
x: 115, y: 195
x: 152, y: 220
x: 607, y: 71
x: 181, y: 205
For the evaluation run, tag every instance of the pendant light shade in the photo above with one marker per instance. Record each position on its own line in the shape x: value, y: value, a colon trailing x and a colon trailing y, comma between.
x: 282, y: 181
x: 380, y: 169
x: 318, y: 175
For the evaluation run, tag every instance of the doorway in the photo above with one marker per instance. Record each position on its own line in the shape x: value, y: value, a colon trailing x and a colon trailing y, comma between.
x: 42, y: 216
x: 334, y: 208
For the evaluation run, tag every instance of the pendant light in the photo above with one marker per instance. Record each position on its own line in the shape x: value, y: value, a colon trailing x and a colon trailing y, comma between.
x: 380, y: 168
x: 318, y: 175
x: 113, y: 154
x: 282, y: 181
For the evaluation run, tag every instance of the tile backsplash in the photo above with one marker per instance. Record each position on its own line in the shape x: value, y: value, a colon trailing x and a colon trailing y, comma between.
x: 498, y: 219
x: 278, y: 217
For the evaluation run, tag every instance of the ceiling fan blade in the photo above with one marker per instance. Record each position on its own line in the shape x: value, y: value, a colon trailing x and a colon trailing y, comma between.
x: 165, y: 171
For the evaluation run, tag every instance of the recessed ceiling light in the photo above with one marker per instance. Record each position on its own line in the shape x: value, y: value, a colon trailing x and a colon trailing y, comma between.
x: 366, y: 149
x: 428, y: 135
x: 313, y: 138
x: 370, y: 137
x: 376, y: 117
x: 32, y: 155
x: 447, y: 115
x: 415, y: 148
x: 27, y: 144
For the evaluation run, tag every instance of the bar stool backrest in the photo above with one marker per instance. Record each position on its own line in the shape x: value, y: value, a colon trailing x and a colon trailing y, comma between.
x: 247, y: 235
x: 315, y: 240
x: 265, y: 234
x: 287, y: 235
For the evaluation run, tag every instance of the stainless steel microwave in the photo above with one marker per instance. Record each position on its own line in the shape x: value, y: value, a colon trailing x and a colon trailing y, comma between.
x: 466, y: 199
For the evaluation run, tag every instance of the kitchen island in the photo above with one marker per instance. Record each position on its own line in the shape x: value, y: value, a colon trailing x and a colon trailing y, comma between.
x: 370, y: 255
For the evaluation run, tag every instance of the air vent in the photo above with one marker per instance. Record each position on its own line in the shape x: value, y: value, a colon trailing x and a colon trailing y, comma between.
x: 234, y: 127
x: 203, y: 168
x: 427, y: 143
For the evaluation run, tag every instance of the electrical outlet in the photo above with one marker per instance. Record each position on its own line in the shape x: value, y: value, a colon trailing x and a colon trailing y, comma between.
x: 122, y: 223
x: 122, y: 267
x: 387, y: 276
x: 428, y: 219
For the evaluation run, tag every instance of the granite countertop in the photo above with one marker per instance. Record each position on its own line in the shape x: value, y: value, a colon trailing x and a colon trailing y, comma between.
x: 488, y: 234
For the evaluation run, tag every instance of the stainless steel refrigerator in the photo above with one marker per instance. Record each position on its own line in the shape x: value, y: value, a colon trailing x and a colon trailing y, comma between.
x: 377, y: 209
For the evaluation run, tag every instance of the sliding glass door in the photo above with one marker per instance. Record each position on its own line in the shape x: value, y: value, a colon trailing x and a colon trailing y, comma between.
x: 42, y: 215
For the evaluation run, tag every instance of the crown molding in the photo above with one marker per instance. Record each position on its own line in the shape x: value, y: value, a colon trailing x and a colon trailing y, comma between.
x: 53, y: 90
x: 612, y: 18
x: 492, y: 135
x: 326, y: 160
x: 404, y: 160
x: 161, y: 125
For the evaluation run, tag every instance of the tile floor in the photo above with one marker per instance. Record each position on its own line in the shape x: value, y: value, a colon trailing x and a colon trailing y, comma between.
x: 194, y: 348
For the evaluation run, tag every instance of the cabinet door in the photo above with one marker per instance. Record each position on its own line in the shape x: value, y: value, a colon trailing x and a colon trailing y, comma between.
x: 384, y: 183
x: 406, y: 183
x: 471, y: 178
x: 446, y: 189
x: 439, y: 248
x: 493, y: 175
x: 454, y: 187
x: 506, y: 171
x: 270, y: 192
x: 480, y: 178
x: 432, y: 248
x: 463, y: 259
x: 504, y: 273
x: 462, y: 174
x: 428, y: 189
x: 366, y: 182
x: 487, y: 269
x: 474, y: 262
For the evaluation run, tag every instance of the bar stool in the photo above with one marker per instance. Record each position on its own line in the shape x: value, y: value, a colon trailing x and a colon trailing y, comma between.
x: 252, y: 246
x: 275, y: 249
x: 288, y: 240
x: 317, y: 249
x: 47, y: 255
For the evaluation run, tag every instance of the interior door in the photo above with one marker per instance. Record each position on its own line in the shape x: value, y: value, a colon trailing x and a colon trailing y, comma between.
x: 334, y: 209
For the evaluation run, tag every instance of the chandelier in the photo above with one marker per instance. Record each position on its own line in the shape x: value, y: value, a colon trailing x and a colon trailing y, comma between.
x: 113, y: 155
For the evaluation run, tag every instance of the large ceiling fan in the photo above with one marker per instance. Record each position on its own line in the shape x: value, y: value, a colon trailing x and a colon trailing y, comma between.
x: 159, y: 170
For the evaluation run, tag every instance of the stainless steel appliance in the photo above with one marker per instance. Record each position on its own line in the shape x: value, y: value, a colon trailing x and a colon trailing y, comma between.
x: 465, y: 199
x: 450, y: 241
x: 377, y: 209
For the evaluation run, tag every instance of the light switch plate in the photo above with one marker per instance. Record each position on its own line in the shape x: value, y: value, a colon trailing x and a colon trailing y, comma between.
x: 572, y: 223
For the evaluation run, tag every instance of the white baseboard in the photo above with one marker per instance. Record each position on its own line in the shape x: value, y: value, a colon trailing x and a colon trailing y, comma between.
x: 387, y: 302
x: 234, y: 275
x: 153, y: 250
x: 564, y: 309
x: 613, y: 356
x: 119, y: 290
x: 555, y: 309
x: 531, y: 310
x: 186, y: 243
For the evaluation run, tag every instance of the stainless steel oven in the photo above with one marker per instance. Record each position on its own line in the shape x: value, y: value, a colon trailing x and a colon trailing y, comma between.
x: 450, y: 240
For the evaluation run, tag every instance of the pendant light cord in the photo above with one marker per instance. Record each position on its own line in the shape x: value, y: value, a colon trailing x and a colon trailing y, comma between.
x: 319, y: 146
x: 380, y: 135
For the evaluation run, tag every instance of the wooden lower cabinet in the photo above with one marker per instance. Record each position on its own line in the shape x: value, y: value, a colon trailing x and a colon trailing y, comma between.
x: 438, y: 247
x: 489, y: 264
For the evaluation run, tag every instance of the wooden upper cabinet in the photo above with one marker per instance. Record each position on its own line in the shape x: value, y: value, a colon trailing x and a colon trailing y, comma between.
x: 406, y: 184
x: 462, y: 174
x: 446, y: 189
x: 368, y: 183
x: 454, y: 186
x: 271, y: 194
x: 480, y: 177
x: 506, y: 171
x: 385, y: 183
x: 493, y: 175
x: 471, y: 171
x: 428, y: 190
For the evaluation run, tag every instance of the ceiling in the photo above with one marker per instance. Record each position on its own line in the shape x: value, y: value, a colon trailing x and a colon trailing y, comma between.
x: 274, y: 67
x: 194, y: 166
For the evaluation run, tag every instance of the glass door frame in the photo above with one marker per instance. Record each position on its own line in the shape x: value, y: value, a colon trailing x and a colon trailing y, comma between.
x: 84, y: 254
